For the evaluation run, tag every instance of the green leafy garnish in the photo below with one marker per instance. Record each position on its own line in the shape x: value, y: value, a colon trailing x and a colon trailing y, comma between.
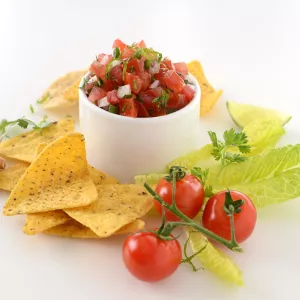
x: 116, y: 52
x: 267, y: 179
x: 147, y: 64
x: 125, y: 63
x: 186, y: 81
x: 134, y: 84
x: 23, y: 123
x: 162, y: 100
x: 202, y: 174
x: 85, y: 81
x: 31, y: 108
x: 127, y: 96
x: 221, y: 150
x: 43, y: 99
x: 99, y: 82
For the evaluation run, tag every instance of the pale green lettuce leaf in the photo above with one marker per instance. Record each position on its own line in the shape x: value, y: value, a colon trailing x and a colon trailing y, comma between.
x: 151, y: 178
x: 267, y: 179
x: 263, y: 134
x: 212, y: 259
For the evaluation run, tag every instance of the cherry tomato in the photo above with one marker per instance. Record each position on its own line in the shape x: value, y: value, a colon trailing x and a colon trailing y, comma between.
x: 149, y: 258
x: 189, y: 196
x: 215, y: 219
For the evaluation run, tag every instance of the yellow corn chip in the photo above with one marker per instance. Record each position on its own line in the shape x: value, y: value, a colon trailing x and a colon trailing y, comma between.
x: 10, y: 176
x: 23, y: 147
x: 74, y: 229
x: 209, y: 96
x: 58, y: 178
x: 63, y: 92
x: 116, y: 206
x: 40, y: 222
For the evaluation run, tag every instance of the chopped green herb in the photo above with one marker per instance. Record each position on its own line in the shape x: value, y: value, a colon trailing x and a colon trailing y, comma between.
x: 125, y: 63
x: 123, y: 108
x: 85, y: 81
x: 113, y: 109
x: 108, y: 68
x: 43, y: 99
x: 138, y: 98
x: 99, y: 82
x: 31, y: 109
x: 147, y: 64
x: 134, y: 84
x: 127, y: 96
x: 186, y: 81
x: 116, y: 52
x: 162, y: 100
x: 131, y: 69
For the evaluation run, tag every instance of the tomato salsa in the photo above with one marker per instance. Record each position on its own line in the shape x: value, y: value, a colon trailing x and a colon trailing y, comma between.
x: 136, y: 81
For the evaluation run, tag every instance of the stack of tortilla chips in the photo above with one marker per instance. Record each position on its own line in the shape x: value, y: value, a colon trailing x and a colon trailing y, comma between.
x: 60, y: 193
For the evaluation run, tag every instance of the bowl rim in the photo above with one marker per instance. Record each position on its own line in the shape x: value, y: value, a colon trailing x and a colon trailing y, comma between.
x: 105, y: 114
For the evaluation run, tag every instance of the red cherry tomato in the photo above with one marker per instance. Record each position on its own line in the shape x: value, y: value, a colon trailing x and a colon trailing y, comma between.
x: 149, y: 258
x: 189, y: 196
x: 215, y: 219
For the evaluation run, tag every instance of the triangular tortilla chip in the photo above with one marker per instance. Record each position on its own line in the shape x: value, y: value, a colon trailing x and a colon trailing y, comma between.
x: 10, y: 176
x: 74, y: 229
x: 209, y: 96
x: 40, y: 222
x: 58, y: 178
x: 116, y: 206
x: 24, y: 146
x: 63, y: 92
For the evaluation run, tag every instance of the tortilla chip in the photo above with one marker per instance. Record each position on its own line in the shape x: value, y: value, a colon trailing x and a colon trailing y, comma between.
x: 23, y: 147
x: 74, y: 229
x: 40, y: 222
x: 58, y: 178
x: 63, y: 92
x: 10, y: 176
x: 209, y: 96
x: 100, y: 178
x: 116, y: 206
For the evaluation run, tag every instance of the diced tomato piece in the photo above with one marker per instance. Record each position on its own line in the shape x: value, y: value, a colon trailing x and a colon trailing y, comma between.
x: 104, y: 59
x: 142, y: 111
x: 136, y: 65
x: 173, y: 81
x: 110, y: 84
x: 100, y: 56
x: 141, y: 44
x: 98, y: 69
x: 146, y: 78
x: 127, y: 52
x: 158, y: 112
x: 88, y: 86
x: 161, y: 75
x: 128, y: 107
x: 148, y: 96
x: 168, y: 64
x: 116, y: 73
x: 188, y: 92
x: 177, y: 101
x: 134, y: 81
x: 119, y: 43
x: 112, y: 97
x: 96, y: 94
x: 181, y: 67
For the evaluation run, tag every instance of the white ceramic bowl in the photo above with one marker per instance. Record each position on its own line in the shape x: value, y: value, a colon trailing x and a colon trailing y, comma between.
x: 124, y: 147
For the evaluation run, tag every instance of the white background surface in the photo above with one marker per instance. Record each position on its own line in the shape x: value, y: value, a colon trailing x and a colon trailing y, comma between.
x: 248, y: 48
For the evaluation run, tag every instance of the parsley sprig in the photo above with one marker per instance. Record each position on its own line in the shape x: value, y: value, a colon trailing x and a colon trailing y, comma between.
x: 232, y: 141
x: 23, y: 123
x: 203, y: 175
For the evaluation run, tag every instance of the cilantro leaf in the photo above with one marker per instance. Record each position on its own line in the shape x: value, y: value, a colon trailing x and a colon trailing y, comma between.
x: 43, y: 99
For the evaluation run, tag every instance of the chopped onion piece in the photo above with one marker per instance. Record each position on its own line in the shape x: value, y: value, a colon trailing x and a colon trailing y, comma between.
x: 115, y: 63
x: 93, y: 79
x: 123, y: 91
x: 191, y: 86
x: 154, y: 84
x: 154, y: 68
x: 103, y: 102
